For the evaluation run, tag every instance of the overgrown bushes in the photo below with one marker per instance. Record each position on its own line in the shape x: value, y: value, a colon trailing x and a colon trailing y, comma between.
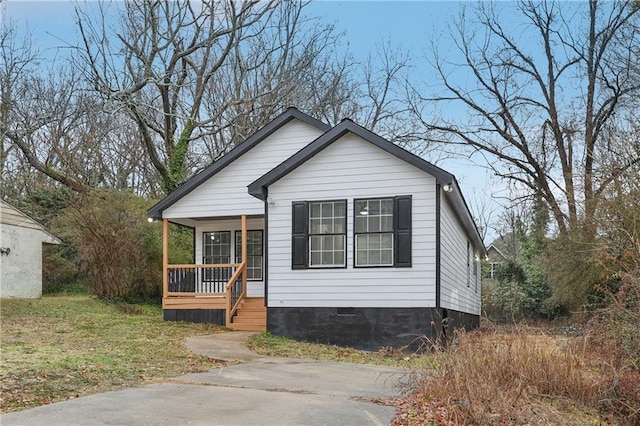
x: 523, y: 376
x: 119, y: 252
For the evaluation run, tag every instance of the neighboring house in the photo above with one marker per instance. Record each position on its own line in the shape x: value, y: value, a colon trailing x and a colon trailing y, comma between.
x: 21, y: 240
x: 324, y: 234
x: 494, y: 261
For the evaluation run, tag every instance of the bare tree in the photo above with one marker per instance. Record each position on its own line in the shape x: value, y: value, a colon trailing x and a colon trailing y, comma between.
x: 545, y: 98
x: 38, y: 112
x: 199, y: 79
x: 51, y: 124
x: 159, y: 64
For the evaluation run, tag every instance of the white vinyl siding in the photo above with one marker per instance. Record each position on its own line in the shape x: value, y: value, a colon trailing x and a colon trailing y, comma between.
x: 225, y: 194
x: 350, y: 169
x: 254, y: 288
x: 460, y: 269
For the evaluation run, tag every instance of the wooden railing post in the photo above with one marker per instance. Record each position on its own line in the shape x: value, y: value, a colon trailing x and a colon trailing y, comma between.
x: 165, y: 258
x: 244, y: 253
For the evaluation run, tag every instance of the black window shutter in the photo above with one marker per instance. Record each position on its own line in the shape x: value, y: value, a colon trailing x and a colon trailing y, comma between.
x: 300, y: 236
x: 402, y: 230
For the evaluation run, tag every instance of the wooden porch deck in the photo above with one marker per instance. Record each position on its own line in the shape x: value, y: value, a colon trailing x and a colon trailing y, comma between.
x: 213, y: 286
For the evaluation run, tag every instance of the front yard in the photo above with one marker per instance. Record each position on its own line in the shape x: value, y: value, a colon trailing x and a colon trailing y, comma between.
x: 56, y: 348
x: 63, y: 347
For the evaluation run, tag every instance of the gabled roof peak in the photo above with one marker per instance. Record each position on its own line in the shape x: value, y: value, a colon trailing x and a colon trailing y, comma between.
x: 289, y: 114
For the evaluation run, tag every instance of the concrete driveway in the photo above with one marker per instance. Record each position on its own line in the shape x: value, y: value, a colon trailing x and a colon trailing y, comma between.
x: 259, y: 391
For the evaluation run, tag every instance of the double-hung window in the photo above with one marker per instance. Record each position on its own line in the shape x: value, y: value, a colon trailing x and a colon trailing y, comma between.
x: 381, y: 230
x: 216, y: 247
x: 319, y: 234
x: 254, y: 253
x: 327, y: 233
x: 374, y: 232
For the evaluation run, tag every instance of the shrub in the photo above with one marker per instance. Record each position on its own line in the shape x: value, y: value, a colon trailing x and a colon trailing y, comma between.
x: 119, y: 250
x: 60, y: 273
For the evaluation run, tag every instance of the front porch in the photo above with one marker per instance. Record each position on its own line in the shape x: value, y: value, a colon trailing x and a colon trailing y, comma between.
x: 212, y: 292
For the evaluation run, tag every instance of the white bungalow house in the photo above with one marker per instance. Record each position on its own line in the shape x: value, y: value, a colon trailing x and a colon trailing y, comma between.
x: 21, y: 240
x: 328, y: 234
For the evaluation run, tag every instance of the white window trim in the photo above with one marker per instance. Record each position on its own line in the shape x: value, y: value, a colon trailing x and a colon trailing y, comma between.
x: 355, y: 234
x: 343, y: 235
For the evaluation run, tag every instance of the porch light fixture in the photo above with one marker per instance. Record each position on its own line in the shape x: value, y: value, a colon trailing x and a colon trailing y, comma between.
x: 448, y: 187
x: 270, y: 201
x: 150, y: 219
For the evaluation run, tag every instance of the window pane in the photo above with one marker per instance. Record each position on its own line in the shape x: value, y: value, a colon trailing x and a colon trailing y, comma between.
x: 316, y: 243
x: 314, y: 226
x: 386, y: 206
x: 374, y: 207
x: 373, y: 257
x: 361, y: 258
x: 340, y: 209
x: 339, y: 225
x: 327, y: 258
x: 374, y: 224
x: 327, y: 209
x: 386, y: 223
x: 327, y: 226
x: 386, y: 241
x: 387, y: 257
x: 315, y: 210
x: 315, y: 258
x: 339, y: 243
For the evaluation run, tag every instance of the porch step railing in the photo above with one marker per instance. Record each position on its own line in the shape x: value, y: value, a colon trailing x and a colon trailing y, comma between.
x: 220, y: 280
x: 236, y: 291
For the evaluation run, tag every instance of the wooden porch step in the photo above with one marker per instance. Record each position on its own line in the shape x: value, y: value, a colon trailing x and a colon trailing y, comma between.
x: 251, y: 315
x: 250, y: 320
x: 248, y: 327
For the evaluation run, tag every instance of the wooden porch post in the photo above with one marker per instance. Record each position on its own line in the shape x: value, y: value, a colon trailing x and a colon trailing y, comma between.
x: 165, y: 258
x: 244, y: 253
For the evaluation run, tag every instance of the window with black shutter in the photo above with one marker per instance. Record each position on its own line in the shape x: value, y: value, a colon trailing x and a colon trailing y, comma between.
x: 382, y: 232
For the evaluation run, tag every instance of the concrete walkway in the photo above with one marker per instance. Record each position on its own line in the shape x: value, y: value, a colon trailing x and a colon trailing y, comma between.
x: 258, y: 391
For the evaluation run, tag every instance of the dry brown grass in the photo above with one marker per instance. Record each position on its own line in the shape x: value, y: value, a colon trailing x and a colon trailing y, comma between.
x: 522, y: 376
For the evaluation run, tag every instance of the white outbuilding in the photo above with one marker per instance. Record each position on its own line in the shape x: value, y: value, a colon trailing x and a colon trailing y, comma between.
x: 21, y: 240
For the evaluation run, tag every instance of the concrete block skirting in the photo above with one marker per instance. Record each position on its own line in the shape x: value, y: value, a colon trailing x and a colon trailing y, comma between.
x: 364, y: 328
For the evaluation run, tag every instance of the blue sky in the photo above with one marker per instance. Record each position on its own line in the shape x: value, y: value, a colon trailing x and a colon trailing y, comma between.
x: 409, y: 25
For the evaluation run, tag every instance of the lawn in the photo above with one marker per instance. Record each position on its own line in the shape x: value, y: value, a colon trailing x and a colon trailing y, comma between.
x: 63, y: 347
x: 269, y: 345
x: 57, y: 348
